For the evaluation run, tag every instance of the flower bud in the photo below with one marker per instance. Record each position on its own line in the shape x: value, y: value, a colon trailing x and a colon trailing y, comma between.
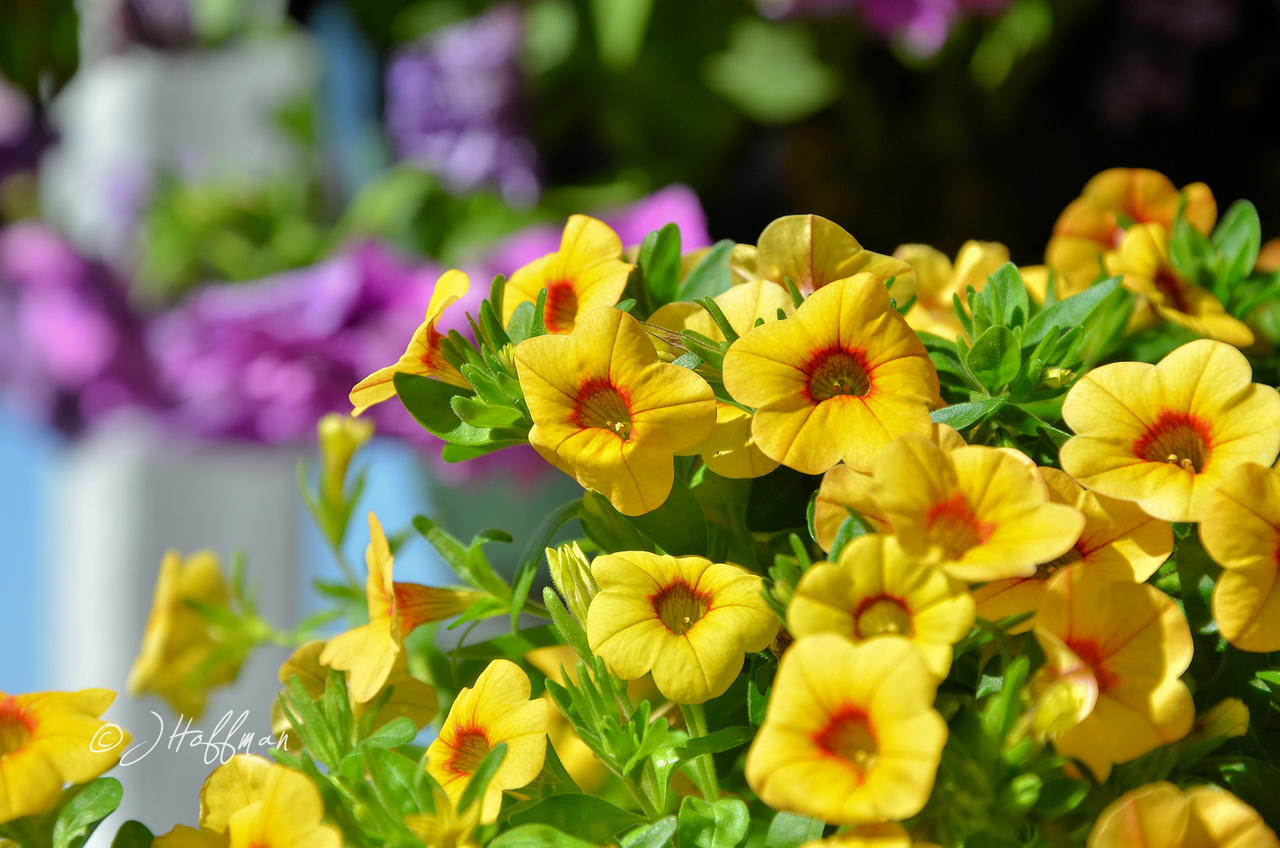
x: 571, y: 573
x: 340, y: 436
x: 1228, y: 719
x: 1056, y: 378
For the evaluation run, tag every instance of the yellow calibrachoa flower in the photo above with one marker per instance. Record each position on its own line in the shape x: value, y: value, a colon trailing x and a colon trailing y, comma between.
x: 937, y: 279
x: 251, y: 803
x: 688, y: 620
x: 979, y: 513
x: 812, y: 252
x: 409, y: 696
x: 1240, y: 529
x: 497, y: 709
x: 447, y: 827
x: 178, y: 644
x: 423, y: 356
x: 1144, y: 263
x: 608, y: 413
x: 48, y: 739
x: 877, y: 590
x: 850, y: 735
x: 369, y: 652
x: 1165, y: 435
x: 586, y: 273
x: 1130, y: 643
x: 1119, y: 540
x: 1095, y: 222
x: 1160, y: 815
x: 838, y: 380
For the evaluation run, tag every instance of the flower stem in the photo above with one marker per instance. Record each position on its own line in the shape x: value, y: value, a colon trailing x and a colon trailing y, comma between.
x: 695, y: 720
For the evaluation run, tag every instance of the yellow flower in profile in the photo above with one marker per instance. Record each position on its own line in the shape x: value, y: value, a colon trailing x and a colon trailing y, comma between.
x: 608, y: 413
x: 1130, y: 642
x: 423, y: 355
x: 850, y: 735
x: 251, y: 803
x: 1095, y: 222
x: 1144, y: 263
x: 1164, y: 435
x: 937, y: 279
x: 1240, y: 529
x: 1119, y: 540
x: 409, y: 696
x: 178, y: 661
x: 876, y: 590
x: 978, y: 513
x: 497, y: 709
x: 688, y: 620
x: 1160, y: 815
x: 585, y: 274
x: 837, y: 381
x: 369, y: 652
x: 48, y: 739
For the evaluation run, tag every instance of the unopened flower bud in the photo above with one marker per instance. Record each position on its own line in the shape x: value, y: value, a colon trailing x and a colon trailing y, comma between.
x: 571, y: 573
x: 1056, y: 378
x: 340, y: 437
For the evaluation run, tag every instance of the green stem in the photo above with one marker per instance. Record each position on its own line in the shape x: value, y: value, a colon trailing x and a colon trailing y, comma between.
x: 695, y: 720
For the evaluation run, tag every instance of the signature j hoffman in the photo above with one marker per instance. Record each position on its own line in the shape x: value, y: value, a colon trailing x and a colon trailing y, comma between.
x: 225, y: 740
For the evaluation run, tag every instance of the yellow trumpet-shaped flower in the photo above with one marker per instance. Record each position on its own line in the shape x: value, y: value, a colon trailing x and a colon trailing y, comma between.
x: 850, y: 735
x: 877, y: 590
x: 1160, y: 815
x: 1240, y: 528
x: 606, y: 411
x: 1165, y: 435
x: 938, y: 279
x: 585, y: 274
x: 423, y: 355
x: 497, y: 709
x: 838, y: 380
x: 369, y: 652
x: 48, y: 739
x: 688, y: 620
x: 1129, y: 642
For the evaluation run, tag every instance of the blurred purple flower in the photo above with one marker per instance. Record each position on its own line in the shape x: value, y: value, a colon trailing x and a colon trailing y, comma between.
x: 453, y: 106
x: 157, y: 23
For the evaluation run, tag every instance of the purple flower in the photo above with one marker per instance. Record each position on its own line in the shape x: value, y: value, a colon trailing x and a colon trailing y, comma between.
x: 453, y: 106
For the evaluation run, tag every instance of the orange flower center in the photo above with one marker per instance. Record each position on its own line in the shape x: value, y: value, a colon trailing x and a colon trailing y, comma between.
x: 1046, y: 570
x: 835, y: 372
x: 850, y: 737
x: 561, y: 309
x: 953, y: 526
x: 15, y: 727
x: 679, y: 607
x: 1172, y: 290
x: 881, y: 614
x: 602, y: 406
x: 1091, y: 655
x: 470, y: 747
x: 1177, y: 438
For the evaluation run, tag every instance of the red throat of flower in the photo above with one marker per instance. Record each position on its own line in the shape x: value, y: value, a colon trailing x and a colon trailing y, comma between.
x: 16, y: 726
x: 1091, y: 655
x: 953, y: 526
x: 1172, y: 289
x: 601, y: 405
x: 561, y: 309
x: 1177, y: 438
x: 679, y: 606
x: 470, y: 747
x: 850, y: 736
x: 835, y: 372
x: 881, y: 614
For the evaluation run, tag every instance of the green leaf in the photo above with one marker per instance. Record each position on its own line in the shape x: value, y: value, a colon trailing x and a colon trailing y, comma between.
x: 520, y: 327
x: 771, y: 73
x: 789, y: 830
x: 534, y: 552
x: 82, y: 815
x: 430, y: 403
x: 445, y: 544
x: 475, y: 412
x: 1237, y: 238
x: 620, y: 26
x: 722, y: 824
x: 538, y: 836
x: 994, y: 358
x: 570, y: 629
x: 964, y: 415
x: 133, y: 834
x: 725, y: 739
x: 678, y: 526
x: 582, y: 816
x: 660, y: 261
x: 393, y: 734
x: 655, y: 835
x: 779, y: 500
x: 1007, y: 283
x: 710, y: 276
x: 1068, y: 313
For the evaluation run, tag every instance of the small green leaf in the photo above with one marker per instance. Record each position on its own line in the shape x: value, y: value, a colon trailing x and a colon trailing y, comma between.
x: 704, y: 824
x: 479, y: 414
x: 133, y: 834
x: 660, y: 260
x: 655, y: 835
x: 1068, y: 313
x: 994, y: 358
x: 520, y: 327
x: 710, y: 276
x: 430, y: 403
x: 393, y: 734
x: 82, y: 815
x: 1007, y: 283
x: 789, y: 830
x: 725, y: 739
x: 538, y: 836
x: 964, y: 415
x: 581, y: 816
x: 1238, y: 239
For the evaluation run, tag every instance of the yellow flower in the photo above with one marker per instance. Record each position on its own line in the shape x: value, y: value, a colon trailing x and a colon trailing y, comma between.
x: 447, y: 827
x: 1095, y: 222
x: 1143, y: 261
x: 1165, y: 435
x: 48, y: 739
x: 836, y: 381
x: 1130, y: 642
x: 979, y: 513
x: 850, y: 734
x: 812, y: 252
x: 876, y: 590
x: 1160, y: 815
x: 423, y: 355
x: 607, y: 412
x: 251, y: 803
x: 937, y: 279
x: 340, y: 437
x: 884, y: 835
x: 369, y: 652
x: 1240, y: 528
x: 177, y: 660
x: 686, y: 619
x: 586, y: 273
x: 496, y: 710
x: 1119, y: 540
x: 409, y: 697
